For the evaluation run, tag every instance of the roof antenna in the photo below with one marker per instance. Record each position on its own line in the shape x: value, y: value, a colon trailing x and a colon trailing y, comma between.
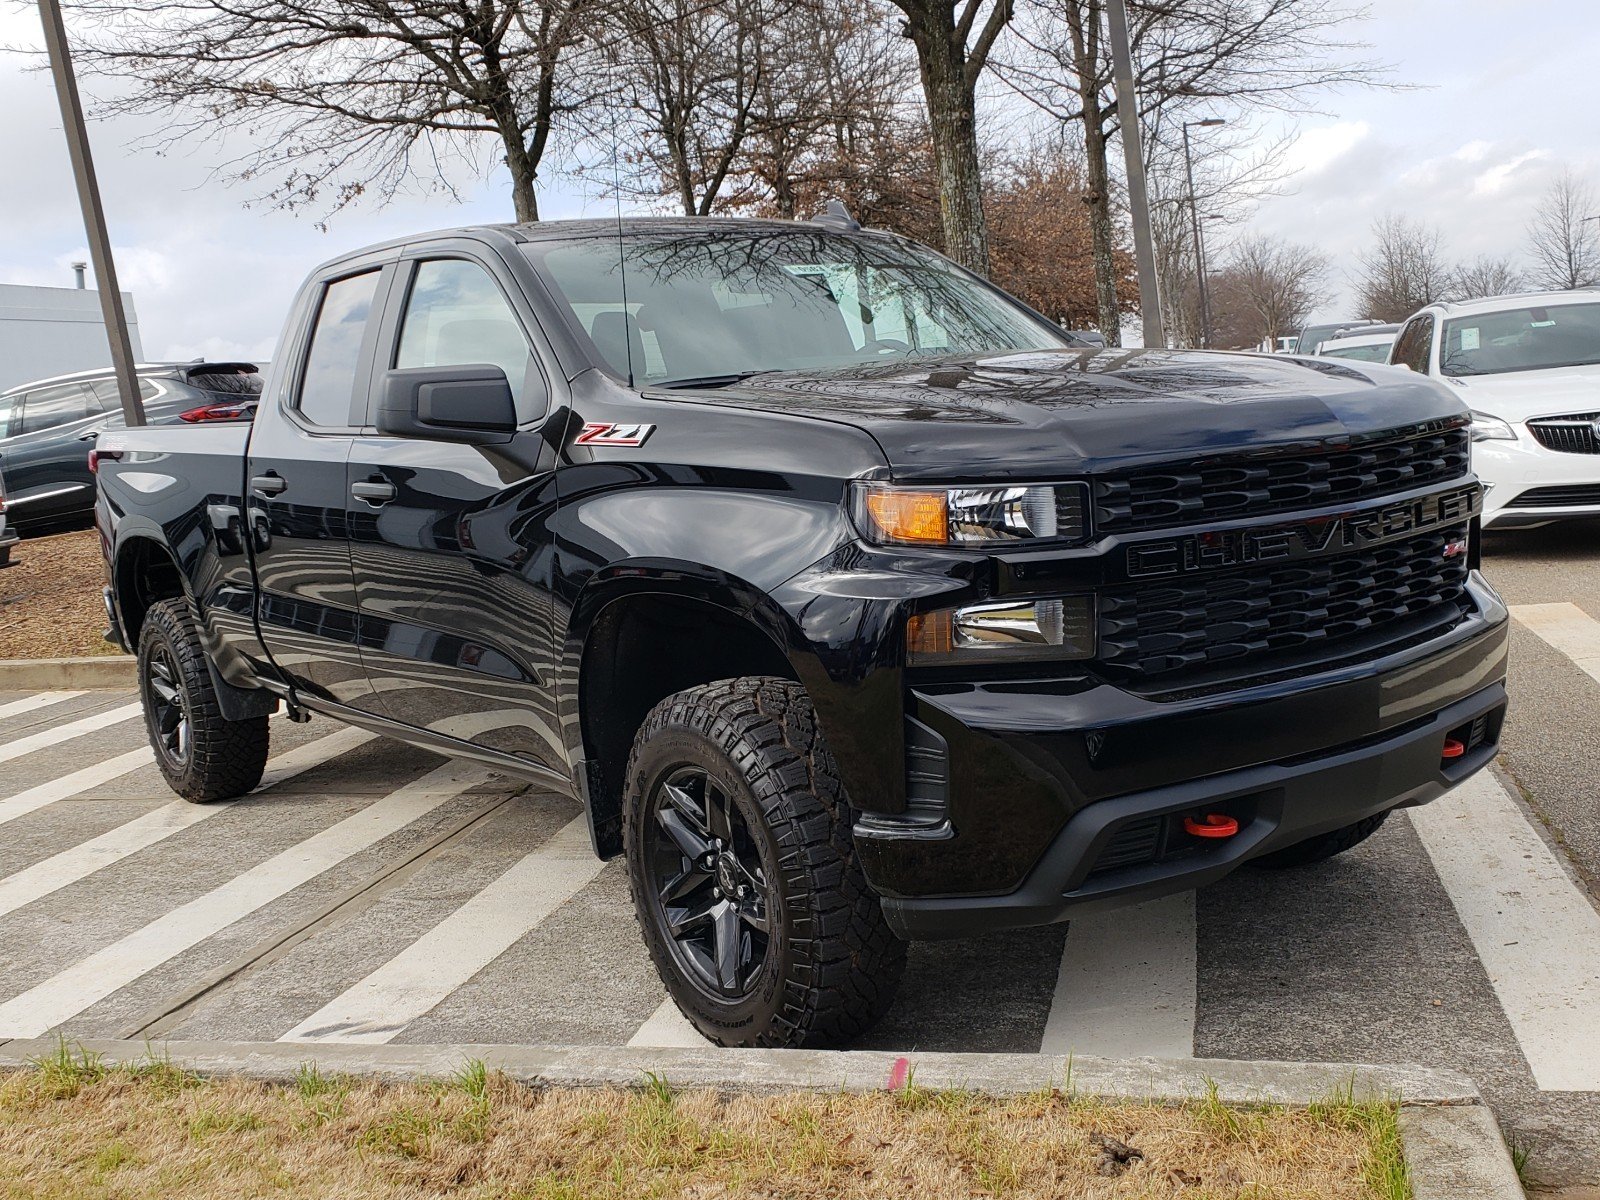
x: 835, y: 214
x: 622, y: 260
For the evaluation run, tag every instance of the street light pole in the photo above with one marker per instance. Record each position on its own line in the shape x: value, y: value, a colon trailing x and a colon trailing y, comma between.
x: 94, y: 217
x: 1133, y: 158
x: 1194, y: 219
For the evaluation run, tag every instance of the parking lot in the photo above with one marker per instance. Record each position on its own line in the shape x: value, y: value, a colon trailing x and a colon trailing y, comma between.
x: 371, y: 892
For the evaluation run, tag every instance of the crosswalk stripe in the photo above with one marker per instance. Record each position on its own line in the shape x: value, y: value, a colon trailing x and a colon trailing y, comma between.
x: 1566, y: 627
x: 81, y: 780
x: 29, y: 703
x: 1127, y: 984
x: 668, y: 1027
x: 417, y: 979
x: 65, y: 733
x: 97, y: 976
x: 1534, y: 930
x: 59, y: 870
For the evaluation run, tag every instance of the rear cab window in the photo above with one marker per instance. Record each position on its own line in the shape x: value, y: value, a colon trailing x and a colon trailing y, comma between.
x: 326, y: 396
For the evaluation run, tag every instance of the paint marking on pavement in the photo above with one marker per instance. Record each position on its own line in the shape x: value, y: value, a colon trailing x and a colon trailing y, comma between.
x: 65, y: 733
x: 667, y: 1026
x: 1534, y: 930
x: 59, y: 870
x: 417, y: 979
x: 1566, y: 627
x: 1127, y: 983
x: 92, y: 979
x: 81, y: 780
x: 28, y: 703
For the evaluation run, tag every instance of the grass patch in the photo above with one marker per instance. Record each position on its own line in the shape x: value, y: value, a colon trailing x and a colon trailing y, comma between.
x: 72, y: 1127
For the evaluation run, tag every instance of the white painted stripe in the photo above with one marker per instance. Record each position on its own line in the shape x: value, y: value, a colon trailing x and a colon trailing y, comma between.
x: 65, y: 733
x: 1566, y: 627
x: 29, y: 703
x: 667, y: 1026
x: 67, y: 786
x: 1535, y: 931
x: 59, y: 870
x: 92, y: 979
x: 413, y: 982
x: 1127, y: 983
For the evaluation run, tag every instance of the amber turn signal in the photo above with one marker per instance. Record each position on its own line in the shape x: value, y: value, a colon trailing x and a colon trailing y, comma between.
x: 907, y: 516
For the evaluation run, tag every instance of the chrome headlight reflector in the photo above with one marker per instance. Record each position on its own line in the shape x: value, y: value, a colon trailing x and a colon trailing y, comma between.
x: 1054, y: 629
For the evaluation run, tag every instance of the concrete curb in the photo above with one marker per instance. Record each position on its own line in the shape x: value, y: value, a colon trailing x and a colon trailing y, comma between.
x: 1454, y: 1149
x: 52, y: 674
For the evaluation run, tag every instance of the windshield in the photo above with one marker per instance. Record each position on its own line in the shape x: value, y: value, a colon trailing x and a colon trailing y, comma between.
x: 1521, y: 339
x: 1375, y: 353
x: 710, y: 304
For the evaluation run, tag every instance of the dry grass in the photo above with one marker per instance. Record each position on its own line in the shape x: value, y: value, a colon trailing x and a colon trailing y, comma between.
x: 73, y: 1129
x: 50, y: 603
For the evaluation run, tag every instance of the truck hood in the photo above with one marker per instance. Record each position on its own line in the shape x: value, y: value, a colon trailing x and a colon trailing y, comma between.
x: 1521, y: 395
x: 1042, y: 413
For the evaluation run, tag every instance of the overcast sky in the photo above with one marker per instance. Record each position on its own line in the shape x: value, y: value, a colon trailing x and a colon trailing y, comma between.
x: 1507, y: 96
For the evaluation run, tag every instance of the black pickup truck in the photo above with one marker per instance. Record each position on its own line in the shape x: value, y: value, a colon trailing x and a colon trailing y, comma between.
x: 851, y: 598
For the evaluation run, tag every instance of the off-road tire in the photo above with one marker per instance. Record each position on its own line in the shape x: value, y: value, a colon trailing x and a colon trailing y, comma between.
x: 1322, y: 847
x: 832, y: 965
x: 223, y: 758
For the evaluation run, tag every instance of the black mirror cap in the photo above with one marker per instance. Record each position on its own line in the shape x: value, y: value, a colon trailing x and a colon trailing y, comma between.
x: 470, y: 404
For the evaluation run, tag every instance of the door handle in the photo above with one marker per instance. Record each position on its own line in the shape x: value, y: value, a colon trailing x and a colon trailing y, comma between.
x: 373, y: 491
x: 269, y: 484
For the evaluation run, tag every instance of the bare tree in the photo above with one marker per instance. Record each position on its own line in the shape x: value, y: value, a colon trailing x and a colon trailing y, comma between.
x: 349, y: 98
x: 1485, y: 276
x: 1190, y: 57
x: 1265, y: 290
x: 1562, y: 238
x: 1402, y: 270
x: 954, y: 39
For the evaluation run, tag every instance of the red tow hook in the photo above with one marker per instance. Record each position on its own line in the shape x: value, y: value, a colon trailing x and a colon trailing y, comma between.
x: 1453, y: 748
x: 1212, y: 825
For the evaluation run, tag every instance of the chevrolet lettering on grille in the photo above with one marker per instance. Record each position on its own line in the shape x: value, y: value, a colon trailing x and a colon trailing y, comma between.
x: 1302, y: 539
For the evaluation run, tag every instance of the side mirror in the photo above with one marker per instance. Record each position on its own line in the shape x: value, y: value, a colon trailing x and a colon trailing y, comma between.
x: 470, y: 404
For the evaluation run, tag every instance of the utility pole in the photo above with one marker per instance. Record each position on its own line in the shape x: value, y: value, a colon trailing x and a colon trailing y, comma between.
x: 94, y: 217
x: 1194, y: 218
x: 1133, y: 156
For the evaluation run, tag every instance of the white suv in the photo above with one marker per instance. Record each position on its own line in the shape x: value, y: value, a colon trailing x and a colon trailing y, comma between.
x: 1528, y: 366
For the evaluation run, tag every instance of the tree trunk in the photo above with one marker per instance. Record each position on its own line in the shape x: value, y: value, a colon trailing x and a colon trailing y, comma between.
x: 952, y: 118
x: 1102, y: 233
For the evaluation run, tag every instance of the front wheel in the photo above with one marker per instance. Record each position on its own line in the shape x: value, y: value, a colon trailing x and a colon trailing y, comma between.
x: 203, y: 755
x: 743, y: 871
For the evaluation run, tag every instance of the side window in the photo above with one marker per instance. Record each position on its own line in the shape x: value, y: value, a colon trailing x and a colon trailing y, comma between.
x: 327, y: 389
x: 104, y: 395
x: 52, y: 406
x: 1415, y: 344
x: 456, y: 315
x: 10, y: 416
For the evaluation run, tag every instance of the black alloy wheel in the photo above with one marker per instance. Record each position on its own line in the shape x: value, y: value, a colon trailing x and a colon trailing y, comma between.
x: 167, y: 708
x: 710, y: 886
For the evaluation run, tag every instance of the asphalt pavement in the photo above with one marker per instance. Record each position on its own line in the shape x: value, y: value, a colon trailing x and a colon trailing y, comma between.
x: 374, y: 893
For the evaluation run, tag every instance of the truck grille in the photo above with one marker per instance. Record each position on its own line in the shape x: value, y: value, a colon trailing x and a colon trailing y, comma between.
x: 1152, y: 498
x: 1215, y: 621
x: 1577, y: 434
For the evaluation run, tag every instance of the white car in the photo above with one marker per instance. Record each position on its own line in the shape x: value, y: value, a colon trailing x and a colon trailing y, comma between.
x: 1528, y: 366
x: 1364, y: 347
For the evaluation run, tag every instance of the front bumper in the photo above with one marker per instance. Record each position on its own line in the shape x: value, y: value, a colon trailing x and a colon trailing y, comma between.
x: 1065, y: 798
x: 1512, y: 471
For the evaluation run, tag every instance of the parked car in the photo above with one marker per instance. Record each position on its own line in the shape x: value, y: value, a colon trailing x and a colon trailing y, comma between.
x: 8, y: 536
x: 1312, y: 336
x: 852, y: 602
x: 1284, y: 345
x: 1528, y: 366
x: 1370, y: 344
x: 47, y: 428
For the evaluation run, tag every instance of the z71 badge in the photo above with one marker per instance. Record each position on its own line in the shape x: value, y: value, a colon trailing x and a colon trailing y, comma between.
x: 607, y: 433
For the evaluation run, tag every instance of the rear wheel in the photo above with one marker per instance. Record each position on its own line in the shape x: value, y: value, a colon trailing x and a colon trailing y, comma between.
x: 743, y: 872
x: 1323, y: 846
x: 203, y: 755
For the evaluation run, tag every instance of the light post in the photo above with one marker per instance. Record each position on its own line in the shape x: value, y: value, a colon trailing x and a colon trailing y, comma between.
x: 1194, y: 218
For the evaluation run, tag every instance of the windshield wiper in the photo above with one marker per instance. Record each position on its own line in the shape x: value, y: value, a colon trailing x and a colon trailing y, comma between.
x: 709, y: 381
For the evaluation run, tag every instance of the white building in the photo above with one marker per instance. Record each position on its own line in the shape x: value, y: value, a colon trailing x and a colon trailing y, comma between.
x: 48, y: 331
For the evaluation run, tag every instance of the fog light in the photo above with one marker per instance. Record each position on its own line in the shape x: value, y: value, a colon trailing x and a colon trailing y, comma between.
x: 1031, y: 630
